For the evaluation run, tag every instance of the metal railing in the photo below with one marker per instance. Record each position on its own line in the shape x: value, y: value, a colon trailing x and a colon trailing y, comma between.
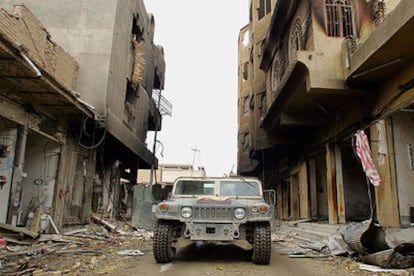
x: 163, y: 105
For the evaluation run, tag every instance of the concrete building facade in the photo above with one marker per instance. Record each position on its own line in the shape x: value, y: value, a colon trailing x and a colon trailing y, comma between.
x: 86, y: 130
x: 333, y: 68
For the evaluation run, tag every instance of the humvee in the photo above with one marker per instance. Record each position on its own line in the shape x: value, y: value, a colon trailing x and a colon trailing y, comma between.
x: 227, y: 210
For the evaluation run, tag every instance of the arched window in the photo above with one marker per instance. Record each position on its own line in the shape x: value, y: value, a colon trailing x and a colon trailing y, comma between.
x: 339, y: 18
x: 275, y: 75
x: 295, y: 41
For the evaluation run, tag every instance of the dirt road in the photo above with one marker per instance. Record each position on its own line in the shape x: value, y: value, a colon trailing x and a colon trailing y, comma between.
x: 225, y: 260
x: 101, y: 255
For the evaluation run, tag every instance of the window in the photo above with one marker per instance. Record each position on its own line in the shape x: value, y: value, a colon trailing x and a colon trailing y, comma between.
x: 239, y: 188
x: 378, y: 10
x: 265, y: 7
x: 246, y: 141
x: 246, y: 39
x: 296, y: 40
x: 263, y: 105
x: 339, y: 18
x: 246, y: 106
x: 245, y: 71
x: 275, y: 75
x: 189, y: 187
x: 130, y: 102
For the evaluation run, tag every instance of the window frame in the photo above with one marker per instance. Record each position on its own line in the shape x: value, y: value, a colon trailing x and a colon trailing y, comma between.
x: 246, y: 141
x: 339, y: 18
x: 295, y: 40
x: 246, y: 106
x: 265, y: 7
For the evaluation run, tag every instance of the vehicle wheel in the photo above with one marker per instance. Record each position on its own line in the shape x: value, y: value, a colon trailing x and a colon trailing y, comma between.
x: 162, y: 249
x: 262, y: 246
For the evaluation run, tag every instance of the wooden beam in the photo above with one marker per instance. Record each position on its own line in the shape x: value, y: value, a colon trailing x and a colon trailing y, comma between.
x: 386, y: 194
x: 331, y: 184
x: 35, y: 227
x: 304, y: 191
x: 294, y: 196
x: 18, y: 230
x: 313, y: 189
x: 340, y: 185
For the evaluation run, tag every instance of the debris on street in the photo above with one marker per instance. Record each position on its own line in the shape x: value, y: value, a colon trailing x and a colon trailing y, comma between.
x: 366, y: 245
x: 135, y: 252
x: 93, y: 247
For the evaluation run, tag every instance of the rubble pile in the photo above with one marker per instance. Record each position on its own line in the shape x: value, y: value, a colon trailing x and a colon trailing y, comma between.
x: 366, y: 243
x: 97, y: 246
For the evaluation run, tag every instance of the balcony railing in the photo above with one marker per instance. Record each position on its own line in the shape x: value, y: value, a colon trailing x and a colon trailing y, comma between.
x: 163, y: 105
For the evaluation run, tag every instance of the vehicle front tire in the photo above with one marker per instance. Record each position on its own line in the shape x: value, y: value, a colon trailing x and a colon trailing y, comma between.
x: 262, y: 246
x: 161, y: 247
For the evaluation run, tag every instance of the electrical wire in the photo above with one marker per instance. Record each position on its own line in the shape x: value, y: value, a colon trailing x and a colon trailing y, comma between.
x: 83, y: 131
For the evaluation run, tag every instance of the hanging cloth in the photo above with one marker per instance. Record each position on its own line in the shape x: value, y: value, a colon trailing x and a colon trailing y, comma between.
x: 365, y: 155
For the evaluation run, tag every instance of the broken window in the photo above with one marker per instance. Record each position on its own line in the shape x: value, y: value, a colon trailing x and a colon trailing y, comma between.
x: 130, y: 110
x: 264, y: 8
x: 137, y: 31
x: 137, y: 53
x: 339, y: 18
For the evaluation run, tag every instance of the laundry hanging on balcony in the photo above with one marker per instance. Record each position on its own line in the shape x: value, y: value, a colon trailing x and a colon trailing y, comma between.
x: 365, y: 155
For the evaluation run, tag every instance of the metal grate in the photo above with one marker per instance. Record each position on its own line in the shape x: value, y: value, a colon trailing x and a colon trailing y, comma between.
x: 213, y: 213
x: 163, y: 105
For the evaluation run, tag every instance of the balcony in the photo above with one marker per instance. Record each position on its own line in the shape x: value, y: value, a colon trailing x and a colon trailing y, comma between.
x: 35, y: 71
x: 386, y: 51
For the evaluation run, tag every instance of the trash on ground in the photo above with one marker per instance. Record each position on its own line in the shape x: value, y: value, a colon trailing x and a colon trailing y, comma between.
x: 135, y: 252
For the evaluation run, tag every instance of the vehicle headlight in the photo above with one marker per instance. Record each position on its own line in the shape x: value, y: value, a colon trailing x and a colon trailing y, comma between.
x: 239, y: 213
x: 163, y: 207
x: 186, y: 212
x: 263, y: 209
x: 259, y: 209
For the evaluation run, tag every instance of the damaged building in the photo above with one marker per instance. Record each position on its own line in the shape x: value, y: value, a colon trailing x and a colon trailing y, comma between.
x: 79, y: 85
x: 311, y: 75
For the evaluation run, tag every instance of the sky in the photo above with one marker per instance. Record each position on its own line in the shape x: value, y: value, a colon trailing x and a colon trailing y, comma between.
x: 200, y: 44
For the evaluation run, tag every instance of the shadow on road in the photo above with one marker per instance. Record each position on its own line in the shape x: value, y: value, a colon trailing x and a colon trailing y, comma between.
x: 213, y: 253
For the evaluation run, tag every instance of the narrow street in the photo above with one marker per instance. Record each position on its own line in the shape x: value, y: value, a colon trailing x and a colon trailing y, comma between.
x: 92, y: 250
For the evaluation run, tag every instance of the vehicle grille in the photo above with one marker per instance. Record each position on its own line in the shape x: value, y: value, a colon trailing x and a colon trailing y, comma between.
x: 213, y: 213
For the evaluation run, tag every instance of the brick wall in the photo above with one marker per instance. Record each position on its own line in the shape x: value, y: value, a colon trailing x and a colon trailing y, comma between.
x: 25, y: 32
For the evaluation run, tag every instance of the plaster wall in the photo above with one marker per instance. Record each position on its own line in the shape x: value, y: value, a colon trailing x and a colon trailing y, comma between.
x: 84, y: 28
x: 8, y: 136
x: 390, y: 5
x: 403, y: 134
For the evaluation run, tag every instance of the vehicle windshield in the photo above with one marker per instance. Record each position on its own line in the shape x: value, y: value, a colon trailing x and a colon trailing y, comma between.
x: 194, y: 187
x: 239, y: 188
